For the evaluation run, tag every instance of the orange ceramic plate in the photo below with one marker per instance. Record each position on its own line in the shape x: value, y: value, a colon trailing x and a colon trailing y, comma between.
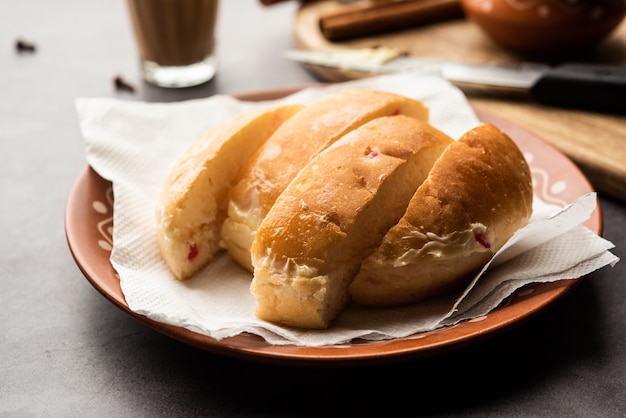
x: 89, y: 223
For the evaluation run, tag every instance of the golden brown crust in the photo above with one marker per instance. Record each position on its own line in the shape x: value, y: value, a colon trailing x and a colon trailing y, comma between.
x: 477, y: 195
x: 333, y: 213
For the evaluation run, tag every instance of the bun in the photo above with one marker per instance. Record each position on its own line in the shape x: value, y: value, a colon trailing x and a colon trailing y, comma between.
x: 293, y: 145
x: 477, y: 195
x: 334, y: 212
x: 354, y: 197
x: 193, y: 201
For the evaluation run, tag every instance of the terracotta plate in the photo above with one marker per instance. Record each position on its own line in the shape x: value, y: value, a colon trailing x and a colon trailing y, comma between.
x: 89, y: 223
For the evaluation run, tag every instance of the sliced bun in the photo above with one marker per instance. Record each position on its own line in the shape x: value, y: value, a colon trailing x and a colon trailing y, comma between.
x: 193, y: 202
x: 292, y: 146
x: 477, y: 195
x: 354, y: 197
x: 334, y: 212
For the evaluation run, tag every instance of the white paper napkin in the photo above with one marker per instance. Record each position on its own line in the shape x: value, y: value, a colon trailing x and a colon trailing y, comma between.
x: 133, y: 144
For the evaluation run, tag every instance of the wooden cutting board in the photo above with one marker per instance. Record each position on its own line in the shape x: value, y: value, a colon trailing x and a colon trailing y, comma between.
x: 595, y: 142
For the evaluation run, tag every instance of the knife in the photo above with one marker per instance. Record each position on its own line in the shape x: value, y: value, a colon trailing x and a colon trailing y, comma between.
x: 574, y: 85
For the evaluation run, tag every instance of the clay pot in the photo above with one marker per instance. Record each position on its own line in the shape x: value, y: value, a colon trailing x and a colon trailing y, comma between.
x: 539, y: 26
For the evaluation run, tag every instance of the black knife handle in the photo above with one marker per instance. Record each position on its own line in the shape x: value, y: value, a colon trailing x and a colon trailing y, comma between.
x: 583, y: 86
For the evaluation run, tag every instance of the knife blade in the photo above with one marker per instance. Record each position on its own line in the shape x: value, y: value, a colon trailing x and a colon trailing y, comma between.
x: 593, y: 87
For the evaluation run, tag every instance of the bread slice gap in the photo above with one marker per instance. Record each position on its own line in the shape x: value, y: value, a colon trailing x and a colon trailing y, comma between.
x: 334, y: 212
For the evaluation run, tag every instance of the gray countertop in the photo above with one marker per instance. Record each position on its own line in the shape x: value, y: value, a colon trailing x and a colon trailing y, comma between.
x: 66, y: 351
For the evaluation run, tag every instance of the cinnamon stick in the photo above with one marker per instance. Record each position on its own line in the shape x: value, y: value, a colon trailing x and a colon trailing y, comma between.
x: 386, y: 17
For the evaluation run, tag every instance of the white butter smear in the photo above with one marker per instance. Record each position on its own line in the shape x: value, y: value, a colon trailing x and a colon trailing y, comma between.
x: 133, y: 144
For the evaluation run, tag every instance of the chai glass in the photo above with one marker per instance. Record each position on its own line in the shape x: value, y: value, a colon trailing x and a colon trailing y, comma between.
x: 175, y: 40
